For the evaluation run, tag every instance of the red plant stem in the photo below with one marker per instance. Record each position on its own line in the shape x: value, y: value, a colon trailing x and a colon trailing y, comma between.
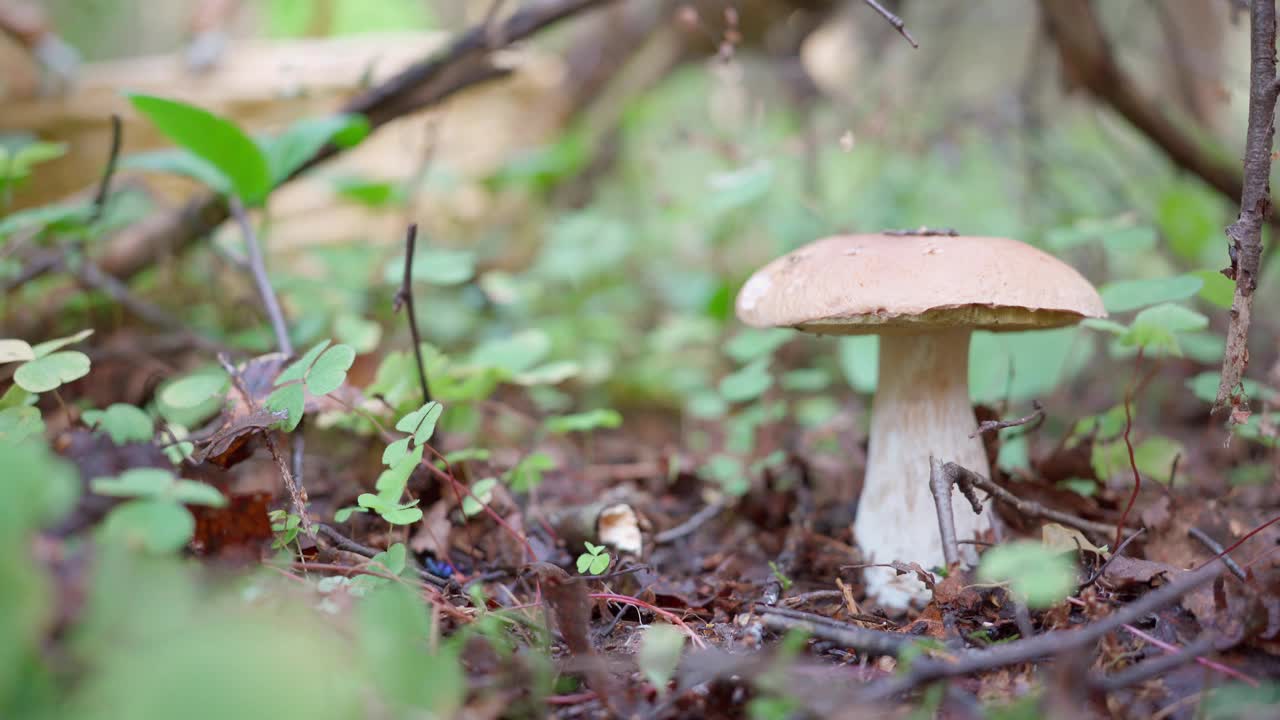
x: 459, y: 488
x: 1133, y: 462
x: 1241, y: 541
x: 1168, y: 648
x: 670, y: 616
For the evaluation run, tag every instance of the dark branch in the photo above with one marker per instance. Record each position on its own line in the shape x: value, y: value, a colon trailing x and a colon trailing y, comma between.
x: 404, y: 298
x: 989, y: 425
x: 893, y: 20
x: 104, y: 187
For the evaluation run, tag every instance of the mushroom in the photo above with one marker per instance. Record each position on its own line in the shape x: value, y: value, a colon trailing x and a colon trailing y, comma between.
x: 924, y: 295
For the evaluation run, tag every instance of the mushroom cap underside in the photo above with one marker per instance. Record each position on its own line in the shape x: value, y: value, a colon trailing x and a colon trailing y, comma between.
x: 877, y: 283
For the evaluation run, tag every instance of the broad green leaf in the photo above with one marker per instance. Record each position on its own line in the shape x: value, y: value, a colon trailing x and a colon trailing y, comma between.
x: 584, y: 562
x: 216, y: 140
x: 1191, y: 217
x: 19, y: 423
x: 39, y: 488
x: 15, y: 351
x: 583, y: 422
x: 421, y: 423
x: 1218, y: 290
x: 302, y: 140
x: 753, y: 343
x: 190, y: 492
x: 527, y: 474
x: 298, y: 368
x: 361, y: 334
x: 1037, y: 574
x: 344, y: 514
x: 514, y: 354
x: 407, y: 676
x: 123, y: 422
x: 1156, y: 328
x: 52, y: 371
x: 659, y: 654
x: 157, y: 526
x: 481, y: 495
x: 748, y: 383
x: 599, y: 563
x: 289, y: 399
x: 402, y: 515
x: 860, y: 361
x: 1132, y: 294
x: 330, y: 370
x: 135, y: 483
x: 435, y: 267
x: 183, y: 163
x: 194, y: 389
x: 48, y: 347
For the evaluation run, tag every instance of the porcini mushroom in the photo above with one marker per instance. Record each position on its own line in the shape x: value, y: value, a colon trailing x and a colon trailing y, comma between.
x: 923, y: 295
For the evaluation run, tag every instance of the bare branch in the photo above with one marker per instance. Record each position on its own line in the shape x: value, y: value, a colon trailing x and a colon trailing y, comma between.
x: 1245, y: 234
x: 893, y: 20
x: 404, y: 298
x: 258, y: 269
x: 940, y: 484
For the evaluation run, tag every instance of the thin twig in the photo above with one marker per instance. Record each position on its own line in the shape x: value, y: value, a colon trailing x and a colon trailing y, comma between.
x: 940, y: 484
x: 1032, y: 508
x: 1245, y: 234
x: 1118, y: 552
x: 258, y: 269
x: 104, y: 187
x: 1155, y: 667
x: 1128, y: 444
x: 893, y: 20
x: 404, y: 298
x: 927, y: 670
x: 1037, y: 417
x: 342, y: 542
x: 869, y: 641
x: 690, y: 526
x: 1218, y: 550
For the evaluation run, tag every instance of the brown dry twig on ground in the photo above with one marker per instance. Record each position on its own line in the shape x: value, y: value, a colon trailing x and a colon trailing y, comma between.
x: 893, y: 20
x: 1037, y: 417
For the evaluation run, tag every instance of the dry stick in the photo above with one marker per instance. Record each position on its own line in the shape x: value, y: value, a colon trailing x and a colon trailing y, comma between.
x: 989, y: 425
x: 690, y: 526
x: 927, y: 670
x: 258, y: 269
x: 940, y: 484
x: 297, y: 493
x: 1128, y: 444
x: 404, y: 298
x: 1245, y: 234
x: 1156, y: 667
x: 875, y: 642
x: 1218, y: 550
x: 1026, y: 507
x: 342, y: 542
x: 893, y: 20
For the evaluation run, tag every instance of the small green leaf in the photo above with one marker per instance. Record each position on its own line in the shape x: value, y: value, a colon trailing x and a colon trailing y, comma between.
x: 370, y: 193
x: 421, y: 423
x: 15, y: 351
x: 183, y: 163
x: 190, y: 492
x: 584, y: 563
x: 303, y: 139
x: 124, y: 423
x: 193, y: 390
x: 289, y: 399
x: 659, y: 654
x: 19, y: 423
x: 330, y: 370
x: 1156, y: 329
x: 49, y: 346
x: 1132, y: 294
x: 1039, y: 575
x: 599, y: 563
x: 361, y: 334
x: 298, y: 368
x: 583, y: 422
x: 481, y: 495
x: 392, y: 481
x: 591, y: 547
x: 215, y: 139
x: 752, y: 344
x: 135, y: 483
x: 1205, y: 387
x: 1218, y: 289
x: 344, y: 514
x: 157, y: 526
x: 806, y: 380
x: 514, y: 354
x: 395, y: 451
x: 748, y: 383
x: 402, y: 515
x: 527, y: 474
x: 52, y: 371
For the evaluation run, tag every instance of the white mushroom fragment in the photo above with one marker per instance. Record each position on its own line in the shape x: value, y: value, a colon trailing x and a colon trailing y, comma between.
x: 924, y: 295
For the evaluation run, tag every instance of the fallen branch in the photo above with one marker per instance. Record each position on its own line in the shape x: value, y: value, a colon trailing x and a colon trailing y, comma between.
x: 1156, y: 667
x: 690, y: 526
x: 940, y: 483
x: 1216, y: 547
x: 927, y: 670
x: 876, y: 642
x: 1245, y: 234
x: 1037, y: 416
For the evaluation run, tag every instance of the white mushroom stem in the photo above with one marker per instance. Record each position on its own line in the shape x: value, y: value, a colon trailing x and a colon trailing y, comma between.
x: 921, y: 408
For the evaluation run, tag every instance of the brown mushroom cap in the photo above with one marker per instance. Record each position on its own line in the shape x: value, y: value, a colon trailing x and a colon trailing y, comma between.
x: 863, y: 284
